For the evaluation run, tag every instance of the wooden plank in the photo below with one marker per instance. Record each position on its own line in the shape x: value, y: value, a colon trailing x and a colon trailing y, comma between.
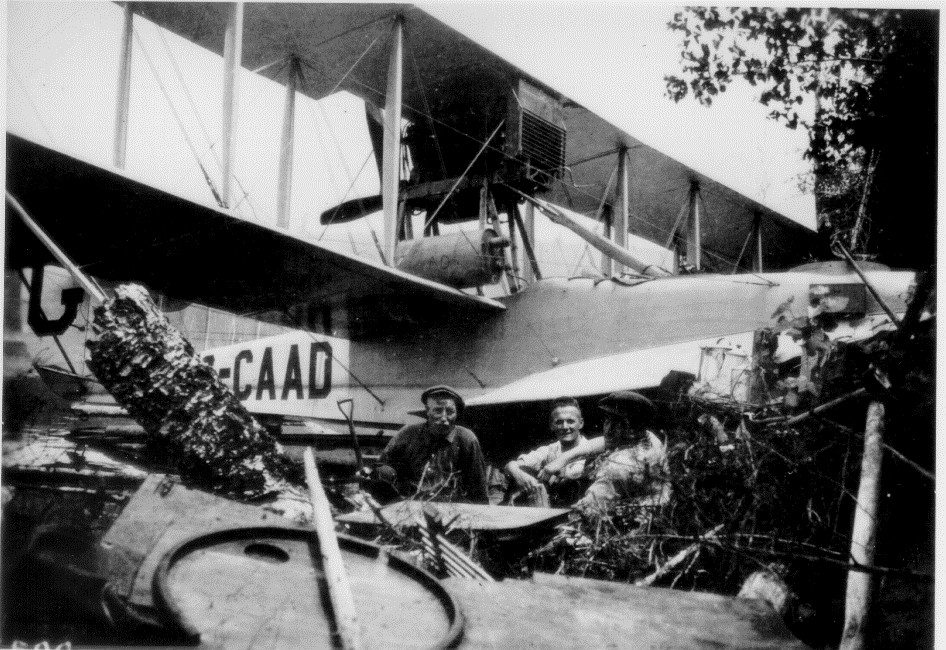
x: 469, y: 516
x: 556, y: 611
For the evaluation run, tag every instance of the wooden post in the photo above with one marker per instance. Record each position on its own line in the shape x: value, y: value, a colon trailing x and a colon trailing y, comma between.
x: 339, y: 589
x: 864, y: 532
x: 124, y: 91
x: 284, y: 189
x: 232, y: 58
x: 391, y: 154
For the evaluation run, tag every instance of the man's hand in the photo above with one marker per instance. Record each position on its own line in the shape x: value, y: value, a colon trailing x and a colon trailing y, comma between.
x: 550, y: 472
x: 523, y: 479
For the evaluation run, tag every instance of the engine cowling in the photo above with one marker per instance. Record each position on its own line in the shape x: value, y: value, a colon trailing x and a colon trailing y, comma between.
x: 462, y: 260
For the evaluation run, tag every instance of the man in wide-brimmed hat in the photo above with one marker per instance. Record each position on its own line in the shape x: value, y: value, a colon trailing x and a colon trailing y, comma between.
x: 436, y: 459
x: 631, y: 466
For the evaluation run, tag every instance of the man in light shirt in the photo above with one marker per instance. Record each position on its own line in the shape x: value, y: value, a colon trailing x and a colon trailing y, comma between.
x: 558, y: 489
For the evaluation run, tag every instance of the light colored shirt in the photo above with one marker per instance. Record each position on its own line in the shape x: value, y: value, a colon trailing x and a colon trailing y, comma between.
x: 635, y: 474
x: 538, y: 458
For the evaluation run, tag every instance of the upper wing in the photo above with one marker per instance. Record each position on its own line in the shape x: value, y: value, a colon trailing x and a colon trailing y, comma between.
x: 458, y: 84
x: 118, y: 228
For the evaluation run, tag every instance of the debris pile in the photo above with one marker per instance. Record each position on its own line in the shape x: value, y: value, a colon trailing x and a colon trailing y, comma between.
x: 769, y: 482
x: 190, y: 416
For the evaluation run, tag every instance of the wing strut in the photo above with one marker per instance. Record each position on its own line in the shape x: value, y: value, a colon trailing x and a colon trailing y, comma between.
x: 391, y: 156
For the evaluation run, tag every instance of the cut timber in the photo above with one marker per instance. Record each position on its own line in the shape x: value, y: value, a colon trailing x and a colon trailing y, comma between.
x: 336, y: 578
x: 558, y: 612
x: 864, y: 532
x: 151, y: 369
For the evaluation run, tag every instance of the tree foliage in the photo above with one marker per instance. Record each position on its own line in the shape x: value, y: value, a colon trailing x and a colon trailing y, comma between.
x: 862, y: 82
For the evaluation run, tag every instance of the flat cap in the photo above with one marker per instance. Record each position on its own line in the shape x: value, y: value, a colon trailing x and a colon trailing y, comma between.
x: 444, y: 391
x: 630, y: 405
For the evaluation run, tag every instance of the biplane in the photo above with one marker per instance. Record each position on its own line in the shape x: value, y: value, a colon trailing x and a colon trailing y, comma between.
x: 470, y: 152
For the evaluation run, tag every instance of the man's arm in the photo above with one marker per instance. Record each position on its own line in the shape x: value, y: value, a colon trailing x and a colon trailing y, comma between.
x: 522, y: 478
x: 390, y: 460
x: 589, y: 447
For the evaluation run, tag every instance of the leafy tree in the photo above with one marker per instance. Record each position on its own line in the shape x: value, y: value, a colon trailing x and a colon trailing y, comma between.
x: 863, y: 83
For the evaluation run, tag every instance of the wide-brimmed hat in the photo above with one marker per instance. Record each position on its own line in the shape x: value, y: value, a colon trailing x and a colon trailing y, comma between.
x: 446, y: 391
x: 629, y: 404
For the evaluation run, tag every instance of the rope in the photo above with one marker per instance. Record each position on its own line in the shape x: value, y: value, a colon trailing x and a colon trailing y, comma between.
x: 463, y: 175
x: 177, y: 117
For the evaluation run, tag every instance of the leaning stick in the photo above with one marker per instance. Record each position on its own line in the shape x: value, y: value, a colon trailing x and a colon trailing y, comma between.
x: 864, y: 531
x: 678, y: 558
x: 339, y: 589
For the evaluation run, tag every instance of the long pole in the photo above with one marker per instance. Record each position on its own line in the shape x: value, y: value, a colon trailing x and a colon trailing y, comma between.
x: 864, y: 532
x: 90, y: 287
x: 339, y: 589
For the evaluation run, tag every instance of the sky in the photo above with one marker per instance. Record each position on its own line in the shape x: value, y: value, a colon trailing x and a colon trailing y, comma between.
x: 62, y: 70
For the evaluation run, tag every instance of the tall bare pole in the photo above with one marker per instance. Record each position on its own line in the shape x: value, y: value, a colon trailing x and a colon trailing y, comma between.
x: 123, y: 98
x: 284, y: 189
x: 232, y: 59
x: 391, y: 174
x: 624, y: 204
x: 864, y: 532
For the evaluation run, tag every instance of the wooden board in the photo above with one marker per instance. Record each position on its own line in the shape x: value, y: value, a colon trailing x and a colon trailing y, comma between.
x: 469, y: 516
x: 559, y: 612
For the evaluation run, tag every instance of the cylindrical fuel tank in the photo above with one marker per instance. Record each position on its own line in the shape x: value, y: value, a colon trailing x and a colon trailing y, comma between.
x: 462, y: 259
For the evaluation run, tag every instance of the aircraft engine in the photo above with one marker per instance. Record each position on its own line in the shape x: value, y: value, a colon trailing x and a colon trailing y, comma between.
x: 462, y: 260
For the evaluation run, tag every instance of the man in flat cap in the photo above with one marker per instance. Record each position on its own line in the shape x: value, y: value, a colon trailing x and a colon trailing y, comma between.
x: 437, y: 459
x: 631, y: 466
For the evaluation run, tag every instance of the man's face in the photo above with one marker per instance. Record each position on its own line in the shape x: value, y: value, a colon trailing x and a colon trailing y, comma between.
x: 566, y: 424
x: 441, y: 414
x: 617, y: 430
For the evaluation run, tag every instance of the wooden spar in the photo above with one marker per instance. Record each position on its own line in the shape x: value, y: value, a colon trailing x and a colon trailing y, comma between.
x: 624, y: 205
x: 232, y: 58
x: 284, y: 189
x: 339, y: 589
x: 391, y: 154
x: 867, y: 283
x: 123, y: 97
x: 84, y: 281
x: 864, y: 531
x: 605, y: 246
x: 527, y: 230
